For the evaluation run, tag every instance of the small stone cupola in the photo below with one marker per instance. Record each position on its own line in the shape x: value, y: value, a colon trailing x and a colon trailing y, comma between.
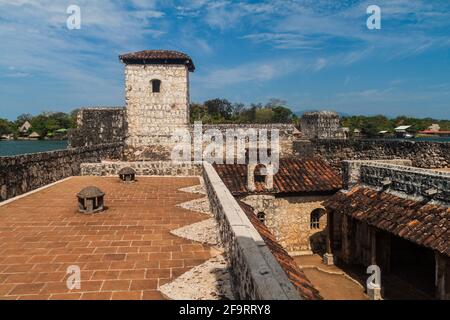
x: 91, y: 200
x: 127, y: 174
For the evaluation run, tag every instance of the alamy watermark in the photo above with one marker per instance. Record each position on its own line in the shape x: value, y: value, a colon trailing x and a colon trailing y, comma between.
x: 73, y: 282
x: 374, y: 20
x: 237, y: 146
x: 73, y: 22
x: 374, y: 281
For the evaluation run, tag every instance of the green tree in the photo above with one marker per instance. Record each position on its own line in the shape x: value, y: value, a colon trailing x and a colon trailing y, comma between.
x: 264, y: 115
x: 6, y: 127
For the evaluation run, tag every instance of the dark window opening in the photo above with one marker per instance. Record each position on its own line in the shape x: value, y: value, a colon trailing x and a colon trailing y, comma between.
x: 156, y: 86
x: 261, y: 217
x: 258, y: 174
x: 315, y: 219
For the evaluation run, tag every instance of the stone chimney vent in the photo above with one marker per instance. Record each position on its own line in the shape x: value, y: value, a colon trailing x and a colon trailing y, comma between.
x: 91, y: 200
x: 127, y: 174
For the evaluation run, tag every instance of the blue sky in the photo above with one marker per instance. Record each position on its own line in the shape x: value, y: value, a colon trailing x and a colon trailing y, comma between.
x: 314, y: 54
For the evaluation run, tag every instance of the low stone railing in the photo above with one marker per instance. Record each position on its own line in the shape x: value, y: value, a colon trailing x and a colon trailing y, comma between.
x: 256, y: 275
x: 423, y: 154
x: 142, y: 168
x: 24, y: 173
x: 395, y: 176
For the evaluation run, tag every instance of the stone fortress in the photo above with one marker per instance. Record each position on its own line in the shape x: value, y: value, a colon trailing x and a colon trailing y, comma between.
x: 157, y: 103
x: 261, y: 218
x: 157, y: 100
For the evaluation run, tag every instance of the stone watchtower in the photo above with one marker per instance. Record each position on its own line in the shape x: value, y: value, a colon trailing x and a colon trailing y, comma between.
x: 321, y: 125
x: 157, y: 101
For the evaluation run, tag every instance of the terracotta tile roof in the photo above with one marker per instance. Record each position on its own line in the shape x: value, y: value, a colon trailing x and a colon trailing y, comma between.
x: 294, y: 176
x: 158, y: 56
x: 425, y: 224
x: 295, y: 275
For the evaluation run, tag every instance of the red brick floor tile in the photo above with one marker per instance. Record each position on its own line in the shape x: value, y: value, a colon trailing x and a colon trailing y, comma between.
x: 114, y: 257
x: 116, y: 285
x: 106, y: 275
x: 96, y: 296
x: 67, y: 296
x: 144, y: 284
x: 157, y: 273
x: 153, y: 295
x: 28, y: 288
x: 130, y: 295
x: 124, y: 253
x: 132, y: 274
x: 50, y: 277
x: 20, y: 278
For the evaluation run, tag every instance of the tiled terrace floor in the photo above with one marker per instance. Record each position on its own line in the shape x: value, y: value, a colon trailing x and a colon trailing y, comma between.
x: 126, y: 252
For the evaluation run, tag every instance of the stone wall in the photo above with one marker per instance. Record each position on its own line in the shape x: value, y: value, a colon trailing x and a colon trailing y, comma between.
x: 287, y: 133
x: 423, y: 154
x: 142, y: 168
x: 321, y: 125
x: 289, y: 218
x: 405, y: 181
x: 24, y: 173
x: 98, y: 126
x: 351, y: 169
x: 256, y: 275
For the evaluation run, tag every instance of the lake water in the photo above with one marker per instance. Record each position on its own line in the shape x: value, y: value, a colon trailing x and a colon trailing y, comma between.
x: 11, y: 148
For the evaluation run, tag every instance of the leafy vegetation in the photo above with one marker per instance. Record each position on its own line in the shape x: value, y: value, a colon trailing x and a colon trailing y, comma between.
x: 372, y: 125
x: 223, y: 111
x: 45, y: 124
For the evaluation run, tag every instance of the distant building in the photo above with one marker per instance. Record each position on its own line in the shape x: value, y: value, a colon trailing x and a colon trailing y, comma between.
x: 23, y: 129
x: 289, y: 203
x: 434, y: 127
x: 7, y: 137
x: 34, y: 136
x: 321, y: 125
x: 435, y: 130
x: 403, y: 132
x: 442, y: 133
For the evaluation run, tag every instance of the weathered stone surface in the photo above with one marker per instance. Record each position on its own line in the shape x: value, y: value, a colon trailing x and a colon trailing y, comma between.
x: 142, y: 168
x: 321, y: 125
x: 289, y: 220
x: 255, y: 273
x: 200, y: 205
x: 405, y: 181
x: 152, y: 117
x: 208, y: 281
x: 21, y: 174
x: 205, y: 232
x: 195, y: 189
x: 98, y: 126
x: 423, y: 154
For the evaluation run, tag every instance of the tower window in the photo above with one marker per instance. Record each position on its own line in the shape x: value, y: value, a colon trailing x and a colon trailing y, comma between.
x: 315, y: 218
x: 258, y: 175
x: 156, y: 85
x: 261, y: 217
